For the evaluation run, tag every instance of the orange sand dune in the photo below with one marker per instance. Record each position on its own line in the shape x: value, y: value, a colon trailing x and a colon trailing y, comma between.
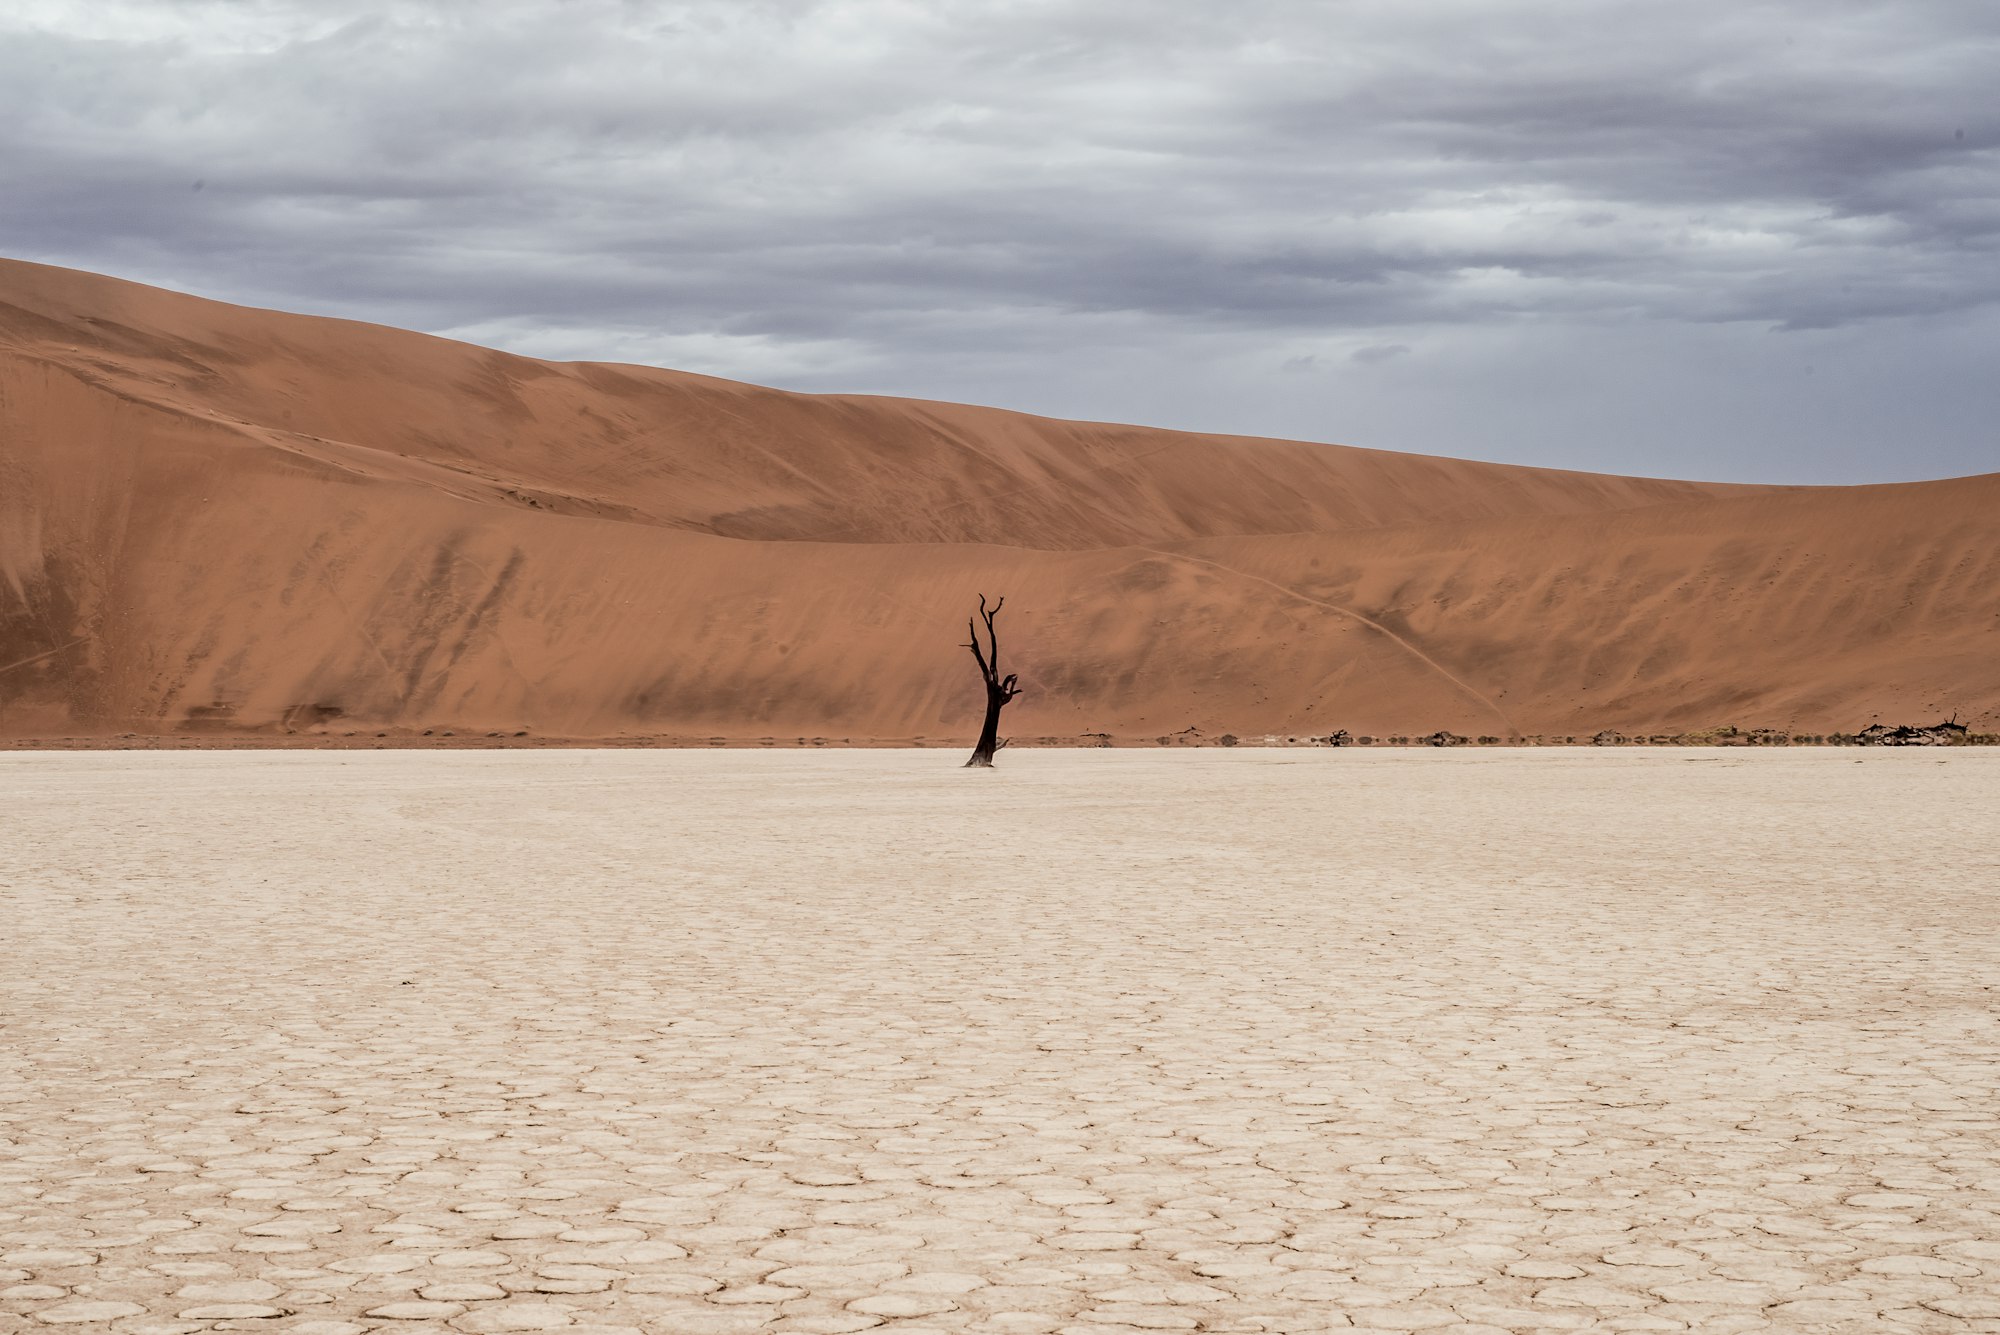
x: 224, y: 521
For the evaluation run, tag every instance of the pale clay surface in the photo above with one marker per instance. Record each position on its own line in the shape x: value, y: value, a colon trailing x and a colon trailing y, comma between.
x: 1100, y: 1041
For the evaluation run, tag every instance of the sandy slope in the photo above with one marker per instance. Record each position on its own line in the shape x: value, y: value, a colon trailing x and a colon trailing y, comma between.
x: 226, y: 520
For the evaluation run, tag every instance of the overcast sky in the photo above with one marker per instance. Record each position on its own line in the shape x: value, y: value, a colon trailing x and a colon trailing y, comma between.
x: 1713, y: 238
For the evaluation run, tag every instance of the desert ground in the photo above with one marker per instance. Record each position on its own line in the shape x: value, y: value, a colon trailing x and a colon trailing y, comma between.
x: 1099, y: 1041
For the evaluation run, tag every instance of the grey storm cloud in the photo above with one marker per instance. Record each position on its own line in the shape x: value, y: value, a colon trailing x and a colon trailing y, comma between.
x: 1488, y: 227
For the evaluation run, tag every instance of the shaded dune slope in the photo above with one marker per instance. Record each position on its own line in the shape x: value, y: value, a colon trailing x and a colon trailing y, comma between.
x: 215, y: 519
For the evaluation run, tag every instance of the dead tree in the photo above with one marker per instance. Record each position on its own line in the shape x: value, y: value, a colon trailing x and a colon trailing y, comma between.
x: 999, y: 690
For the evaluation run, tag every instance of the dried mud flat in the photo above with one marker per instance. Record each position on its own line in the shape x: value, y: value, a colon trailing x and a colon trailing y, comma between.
x: 1100, y: 1041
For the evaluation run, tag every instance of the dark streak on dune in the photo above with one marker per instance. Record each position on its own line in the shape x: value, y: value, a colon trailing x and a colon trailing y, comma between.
x: 226, y: 521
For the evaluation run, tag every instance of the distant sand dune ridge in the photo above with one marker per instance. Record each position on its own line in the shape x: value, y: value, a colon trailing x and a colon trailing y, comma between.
x: 224, y: 522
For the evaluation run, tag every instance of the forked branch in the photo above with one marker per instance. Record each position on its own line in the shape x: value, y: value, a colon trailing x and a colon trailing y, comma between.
x: 989, y: 658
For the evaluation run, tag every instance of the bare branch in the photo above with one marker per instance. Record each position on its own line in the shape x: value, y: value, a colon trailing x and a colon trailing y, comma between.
x: 992, y: 637
x: 985, y: 668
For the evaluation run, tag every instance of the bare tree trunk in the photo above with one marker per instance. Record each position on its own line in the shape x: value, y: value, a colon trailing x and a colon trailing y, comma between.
x: 999, y: 690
